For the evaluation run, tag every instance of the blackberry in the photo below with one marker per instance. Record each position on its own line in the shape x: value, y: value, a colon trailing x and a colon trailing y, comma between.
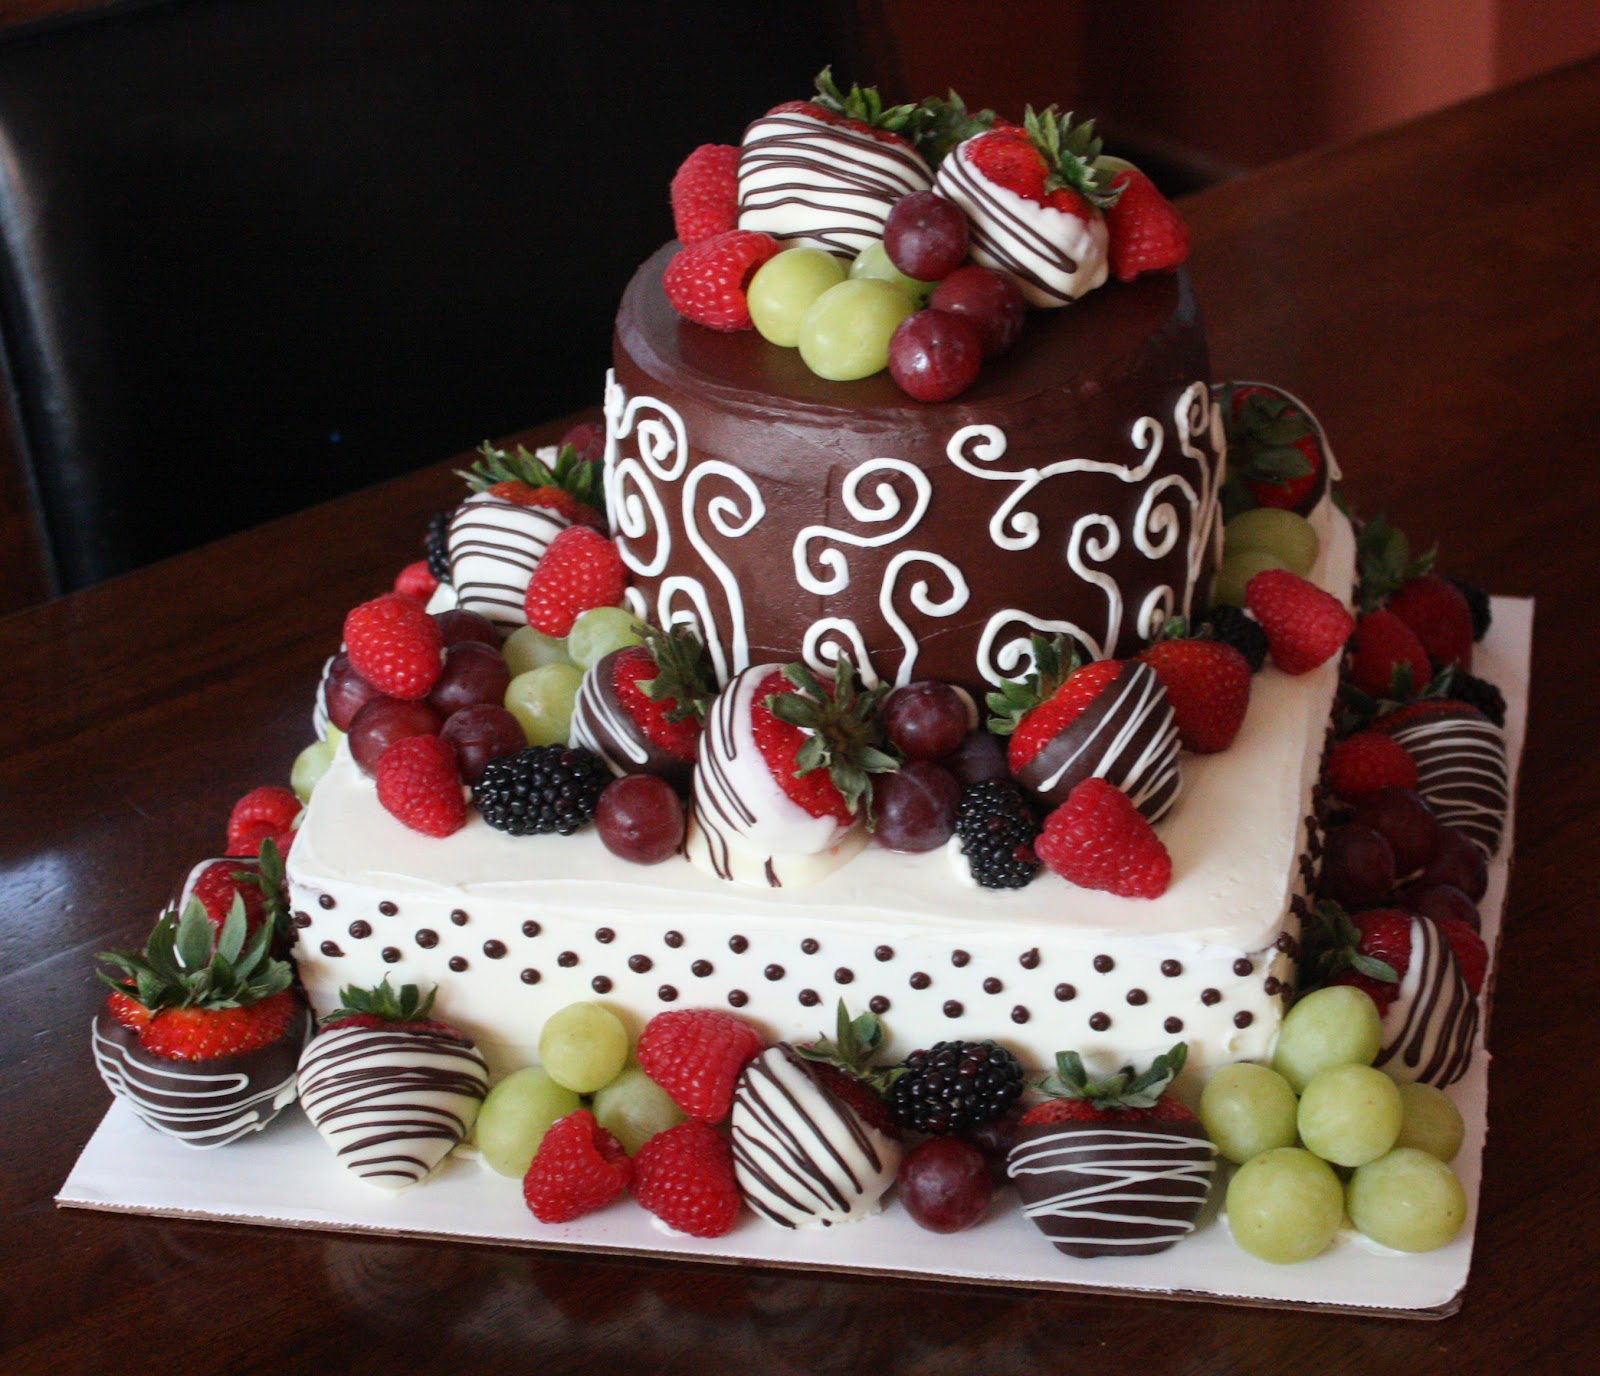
x: 1479, y: 693
x: 438, y: 546
x: 541, y: 789
x: 955, y: 1086
x: 1234, y: 626
x: 1478, y: 602
x: 997, y: 828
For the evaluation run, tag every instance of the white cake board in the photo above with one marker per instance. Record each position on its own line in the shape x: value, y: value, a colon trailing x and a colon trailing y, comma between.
x: 287, y: 1177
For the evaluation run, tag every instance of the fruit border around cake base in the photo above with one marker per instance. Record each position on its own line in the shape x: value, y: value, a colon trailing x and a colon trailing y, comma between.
x: 287, y: 1177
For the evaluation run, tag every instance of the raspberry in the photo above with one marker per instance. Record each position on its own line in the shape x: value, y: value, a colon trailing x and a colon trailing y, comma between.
x: 1439, y: 613
x: 705, y: 193
x: 1368, y: 761
x: 1147, y: 234
x: 1472, y: 956
x: 696, y: 1054
x: 1386, y: 658
x: 579, y: 571
x: 216, y: 888
x: 1305, y: 626
x: 416, y: 581
x: 579, y: 1167
x: 395, y: 645
x: 262, y: 812
x: 1098, y: 839
x: 418, y: 784
x: 706, y: 282
x: 684, y: 1176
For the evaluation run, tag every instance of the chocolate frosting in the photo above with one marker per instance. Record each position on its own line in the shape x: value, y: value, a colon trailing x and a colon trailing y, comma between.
x: 202, y: 1103
x: 1114, y: 1188
x: 1071, y: 489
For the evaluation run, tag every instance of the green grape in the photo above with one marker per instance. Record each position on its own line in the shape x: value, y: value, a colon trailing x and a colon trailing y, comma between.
x: 1349, y: 1114
x: 1338, y: 1025
x: 784, y: 288
x: 527, y: 649
x: 1407, y: 1200
x: 1285, y: 1205
x: 1236, y: 572
x: 1286, y: 535
x: 516, y: 1115
x: 1430, y: 1121
x: 541, y: 701
x: 1247, y: 1109
x: 584, y: 1046
x: 633, y: 1108
x: 310, y: 765
x: 846, y: 333
x: 873, y: 261
x: 599, y: 631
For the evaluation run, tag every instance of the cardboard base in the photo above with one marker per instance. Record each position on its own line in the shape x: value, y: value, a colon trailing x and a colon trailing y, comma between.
x: 287, y: 1177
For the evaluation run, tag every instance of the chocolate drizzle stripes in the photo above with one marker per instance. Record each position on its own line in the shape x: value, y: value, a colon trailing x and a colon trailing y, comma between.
x: 494, y: 546
x: 1430, y: 1028
x: 1462, y: 772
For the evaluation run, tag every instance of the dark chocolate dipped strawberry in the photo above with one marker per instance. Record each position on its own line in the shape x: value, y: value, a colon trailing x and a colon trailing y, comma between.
x: 202, y: 1031
x: 1108, y: 719
x: 642, y: 708
x: 1115, y: 1167
x: 1462, y: 771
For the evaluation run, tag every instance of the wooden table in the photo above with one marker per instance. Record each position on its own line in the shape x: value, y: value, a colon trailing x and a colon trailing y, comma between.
x: 1432, y: 290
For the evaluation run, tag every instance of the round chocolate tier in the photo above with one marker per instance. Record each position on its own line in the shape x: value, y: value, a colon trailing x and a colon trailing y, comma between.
x: 1072, y: 489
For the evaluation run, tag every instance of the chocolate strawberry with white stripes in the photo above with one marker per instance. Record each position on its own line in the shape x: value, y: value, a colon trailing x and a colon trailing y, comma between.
x: 391, y: 1090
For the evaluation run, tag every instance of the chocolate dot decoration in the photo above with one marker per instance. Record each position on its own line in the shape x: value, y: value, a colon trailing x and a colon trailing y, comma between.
x: 774, y: 971
x: 640, y: 965
x: 387, y: 908
x: 390, y: 954
x: 673, y: 940
x: 738, y: 945
x: 458, y: 963
x: 302, y: 920
x: 920, y: 980
x: 601, y: 984
x: 1100, y: 1021
x: 952, y: 1008
x: 530, y: 976
x: 1029, y: 959
x: 879, y: 1004
x: 1172, y: 1026
x: 326, y: 901
x: 1019, y: 1014
x: 810, y: 946
x: 1104, y: 965
x: 844, y: 975
x: 992, y: 985
x: 738, y: 998
x: 1243, y: 1019
x: 567, y: 959
x: 360, y: 928
x: 1172, y: 968
x: 1287, y: 944
x: 701, y: 968
x: 667, y: 994
x: 331, y: 948
x: 1138, y: 998
x: 809, y: 998
x: 1272, y: 985
x: 531, y: 928
x: 1065, y: 993
x: 605, y: 936
x: 459, y: 916
x: 427, y: 938
x: 960, y: 959
x: 495, y: 950
x: 1243, y: 968
x: 883, y: 953
x: 1210, y: 996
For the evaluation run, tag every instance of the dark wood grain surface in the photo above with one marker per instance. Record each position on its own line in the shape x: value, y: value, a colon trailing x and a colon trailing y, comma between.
x: 1433, y: 291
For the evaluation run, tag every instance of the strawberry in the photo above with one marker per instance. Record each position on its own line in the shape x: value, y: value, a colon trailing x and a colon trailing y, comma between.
x: 664, y: 686
x: 395, y: 645
x: 1426, y: 707
x: 418, y: 784
x: 705, y: 193
x: 579, y: 1167
x: 684, y: 1176
x: 1371, y: 951
x: 1305, y: 626
x: 707, y: 281
x: 1115, y: 1166
x: 842, y: 1066
x: 1435, y: 609
x: 696, y: 1054
x: 1387, y: 660
x: 220, y: 882
x: 391, y: 1089
x: 1208, y: 684
x: 1098, y: 839
x: 1385, y: 563
x: 1472, y: 956
x: 581, y: 570
x: 416, y: 581
x: 262, y: 813
x: 555, y: 499
x: 1147, y: 234
x: 823, y: 742
x: 203, y: 1034
x: 1275, y: 449
x: 124, y: 1006
x: 1367, y: 762
x: 565, y: 480
x: 1052, y: 716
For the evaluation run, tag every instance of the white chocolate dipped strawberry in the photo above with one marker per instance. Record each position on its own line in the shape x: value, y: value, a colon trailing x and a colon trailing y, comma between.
x: 390, y: 1090
x: 1035, y: 202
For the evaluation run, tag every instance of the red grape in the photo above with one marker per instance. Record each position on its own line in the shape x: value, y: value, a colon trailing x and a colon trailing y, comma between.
x: 458, y: 624
x: 345, y: 692
x: 479, y: 734
x: 990, y: 299
x: 1357, y: 867
x: 473, y: 673
x: 915, y: 807
x: 981, y: 757
x: 926, y: 236
x: 995, y: 1140
x: 1404, y: 821
x: 1439, y: 901
x: 934, y: 355
x: 640, y: 818
x: 1457, y: 861
x: 382, y: 722
x: 944, y: 1184
x: 925, y: 721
